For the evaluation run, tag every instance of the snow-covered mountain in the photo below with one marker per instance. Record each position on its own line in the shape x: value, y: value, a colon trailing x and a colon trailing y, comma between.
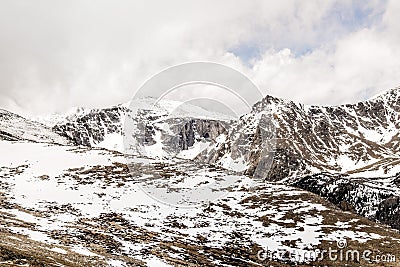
x: 352, y: 139
x: 71, y: 202
x: 95, y: 127
x: 356, y: 139
x: 16, y: 128
x: 361, y: 138
x: 168, y: 128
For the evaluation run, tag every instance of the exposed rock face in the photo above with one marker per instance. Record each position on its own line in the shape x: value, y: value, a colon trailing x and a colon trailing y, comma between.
x: 175, y: 133
x: 397, y: 180
x: 91, y: 129
x: 376, y: 199
x: 7, y: 136
x: 389, y: 212
x: 199, y: 129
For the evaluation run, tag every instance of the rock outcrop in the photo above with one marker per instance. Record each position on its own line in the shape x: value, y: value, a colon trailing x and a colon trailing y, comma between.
x: 376, y: 199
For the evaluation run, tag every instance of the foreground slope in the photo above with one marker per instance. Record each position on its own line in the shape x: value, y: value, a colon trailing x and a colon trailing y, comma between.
x: 76, y: 206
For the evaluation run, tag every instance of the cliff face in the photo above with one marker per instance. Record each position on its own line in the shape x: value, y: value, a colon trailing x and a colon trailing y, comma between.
x: 151, y: 126
x: 92, y: 128
x: 196, y: 129
x: 174, y: 135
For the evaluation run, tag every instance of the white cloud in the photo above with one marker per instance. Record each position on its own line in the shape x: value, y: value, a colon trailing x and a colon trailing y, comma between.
x: 58, y: 54
x: 357, y: 66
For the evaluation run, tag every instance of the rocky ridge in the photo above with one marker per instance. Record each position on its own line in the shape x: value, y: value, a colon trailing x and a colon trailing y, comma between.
x: 310, y: 139
x: 16, y: 128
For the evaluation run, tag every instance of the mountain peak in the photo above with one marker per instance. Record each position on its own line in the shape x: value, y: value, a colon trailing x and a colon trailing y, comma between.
x: 390, y: 94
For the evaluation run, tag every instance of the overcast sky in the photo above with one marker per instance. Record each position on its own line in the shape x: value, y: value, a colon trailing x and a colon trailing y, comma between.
x: 58, y: 54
